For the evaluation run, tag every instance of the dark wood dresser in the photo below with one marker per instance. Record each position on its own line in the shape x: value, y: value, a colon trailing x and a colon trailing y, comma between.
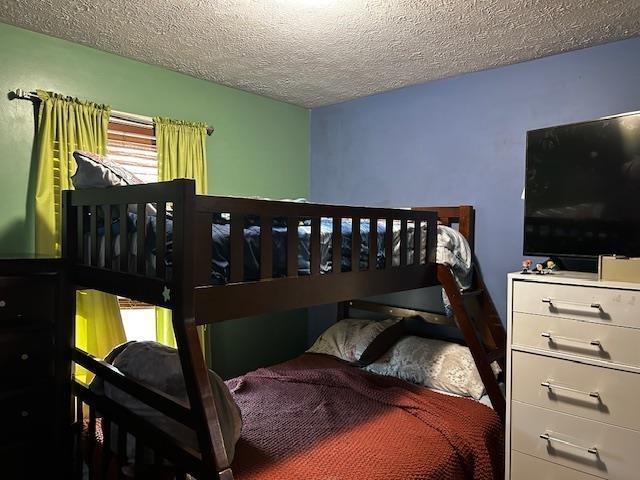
x: 35, y: 326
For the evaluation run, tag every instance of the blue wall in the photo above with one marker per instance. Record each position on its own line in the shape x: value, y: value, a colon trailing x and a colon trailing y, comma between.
x: 462, y: 141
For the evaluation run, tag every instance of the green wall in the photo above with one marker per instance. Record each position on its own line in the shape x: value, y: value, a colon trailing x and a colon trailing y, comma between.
x: 260, y: 147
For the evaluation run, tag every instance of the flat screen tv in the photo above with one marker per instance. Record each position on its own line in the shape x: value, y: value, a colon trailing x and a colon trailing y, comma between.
x: 582, y: 190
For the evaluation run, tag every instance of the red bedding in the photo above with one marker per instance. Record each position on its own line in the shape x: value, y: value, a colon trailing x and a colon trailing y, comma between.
x: 317, y: 418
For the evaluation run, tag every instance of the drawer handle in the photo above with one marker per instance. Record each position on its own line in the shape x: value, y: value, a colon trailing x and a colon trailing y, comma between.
x: 24, y: 413
x: 553, y: 338
x: 3, y: 304
x: 24, y: 356
x: 549, y: 438
x: 551, y: 301
x: 548, y: 385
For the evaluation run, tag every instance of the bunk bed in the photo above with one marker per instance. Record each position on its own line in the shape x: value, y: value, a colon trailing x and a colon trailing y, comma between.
x: 172, y: 268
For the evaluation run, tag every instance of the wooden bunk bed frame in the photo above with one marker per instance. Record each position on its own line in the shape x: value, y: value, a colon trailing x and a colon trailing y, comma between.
x: 187, y: 291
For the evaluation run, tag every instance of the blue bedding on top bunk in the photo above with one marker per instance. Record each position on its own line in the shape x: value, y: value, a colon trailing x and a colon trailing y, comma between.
x: 220, y: 235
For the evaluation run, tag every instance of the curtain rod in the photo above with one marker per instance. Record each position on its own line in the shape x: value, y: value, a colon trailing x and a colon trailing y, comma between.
x: 132, y: 117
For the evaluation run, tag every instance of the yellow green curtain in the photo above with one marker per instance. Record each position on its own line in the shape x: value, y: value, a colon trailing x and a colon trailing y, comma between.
x: 181, y: 154
x: 66, y: 124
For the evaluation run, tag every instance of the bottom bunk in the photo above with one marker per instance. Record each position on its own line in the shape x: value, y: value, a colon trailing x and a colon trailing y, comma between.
x: 318, y: 417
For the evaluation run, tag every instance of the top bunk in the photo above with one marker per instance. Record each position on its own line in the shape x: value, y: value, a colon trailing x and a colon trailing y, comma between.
x: 215, y: 258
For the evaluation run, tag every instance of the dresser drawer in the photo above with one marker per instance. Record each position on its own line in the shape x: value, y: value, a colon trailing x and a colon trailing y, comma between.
x: 25, y: 357
x: 526, y: 467
x: 25, y: 417
x: 27, y: 301
x: 593, y: 341
x: 590, y: 447
x: 601, y: 305
x: 596, y: 393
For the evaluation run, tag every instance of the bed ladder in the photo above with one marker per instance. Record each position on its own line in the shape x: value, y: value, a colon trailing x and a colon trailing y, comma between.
x: 479, y: 322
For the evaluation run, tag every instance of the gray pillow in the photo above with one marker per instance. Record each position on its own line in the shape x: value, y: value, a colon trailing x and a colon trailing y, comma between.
x: 97, y: 171
x: 159, y: 366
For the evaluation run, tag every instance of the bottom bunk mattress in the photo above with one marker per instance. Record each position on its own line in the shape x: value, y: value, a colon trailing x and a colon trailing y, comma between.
x: 316, y: 417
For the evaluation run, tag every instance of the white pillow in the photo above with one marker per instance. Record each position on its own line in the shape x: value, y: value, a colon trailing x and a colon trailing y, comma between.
x: 432, y: 363
x: 435, y: 364
x: 348, y: 338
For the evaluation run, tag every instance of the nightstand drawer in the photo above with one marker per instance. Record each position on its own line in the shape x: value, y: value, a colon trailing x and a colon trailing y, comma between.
x: 605, y: 395
x: 588, y: 340
x: 27, y: 300
x: 592, y: 304
x: 25, y: 357
x: 590, y: 447
x: 526, y: 467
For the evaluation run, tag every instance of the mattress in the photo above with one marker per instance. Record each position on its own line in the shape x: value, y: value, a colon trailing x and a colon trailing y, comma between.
x: 316, y: 417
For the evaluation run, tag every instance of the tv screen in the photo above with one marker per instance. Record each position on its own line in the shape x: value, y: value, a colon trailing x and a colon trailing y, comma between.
x: 582, y: 191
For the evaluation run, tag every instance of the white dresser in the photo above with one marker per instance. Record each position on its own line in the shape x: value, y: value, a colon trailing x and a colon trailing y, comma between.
x: 573, y: 392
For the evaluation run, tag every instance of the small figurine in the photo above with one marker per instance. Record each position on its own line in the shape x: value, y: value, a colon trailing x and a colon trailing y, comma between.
x: 539, y: 268
x: 526, y: 266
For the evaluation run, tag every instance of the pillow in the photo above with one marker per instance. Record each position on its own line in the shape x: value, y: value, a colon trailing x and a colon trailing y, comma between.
x: 159, y: 366
x: 435, y: 364
x: 97, y: 171
x: 348, y: 338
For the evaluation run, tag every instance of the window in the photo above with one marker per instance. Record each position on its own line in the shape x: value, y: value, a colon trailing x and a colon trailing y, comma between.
x: 132, y: 145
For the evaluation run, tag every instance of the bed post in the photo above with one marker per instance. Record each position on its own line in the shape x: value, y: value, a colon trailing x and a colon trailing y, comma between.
x: 466, y: 224
x: 65, y: 338
x: 215, y: 462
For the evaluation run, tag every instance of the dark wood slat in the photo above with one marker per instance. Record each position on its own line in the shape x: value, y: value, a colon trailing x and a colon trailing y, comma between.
x: 108, y: 237
x: 203, y: 245
x: 373, y: 243
x: 91, y: 445
x: 143, y: 193
x: 141, y: 231
x: 93, y: 234
x: 266, y: 246
x: 432, y: 241
x: 124, y: 238
x: 292, y: 246
x: 403, y: 242
x: 280, y: 294
x: 79, y: 234
x: 393, y: 311
x: 139, y: 455
x: 314, y: 240
x: 388, y: 243
x: 355, y: 244
x: 122, y: 450
x: 106, y: 447
x: 78, y: 460
x: 161, y: 239
x: 148, y: 395
x: 236, y: 247
x: 336, y: 245
x: 137, y: 287
x: 417, y: 242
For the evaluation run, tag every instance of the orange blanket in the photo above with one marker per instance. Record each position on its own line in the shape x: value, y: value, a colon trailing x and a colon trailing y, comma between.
x: 317, y: 418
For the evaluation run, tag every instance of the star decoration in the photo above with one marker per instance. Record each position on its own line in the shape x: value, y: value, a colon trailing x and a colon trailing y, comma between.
x: 166, y: 294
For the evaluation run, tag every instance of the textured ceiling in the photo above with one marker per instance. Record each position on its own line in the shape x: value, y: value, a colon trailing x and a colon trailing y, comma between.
x: 317, y: 52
